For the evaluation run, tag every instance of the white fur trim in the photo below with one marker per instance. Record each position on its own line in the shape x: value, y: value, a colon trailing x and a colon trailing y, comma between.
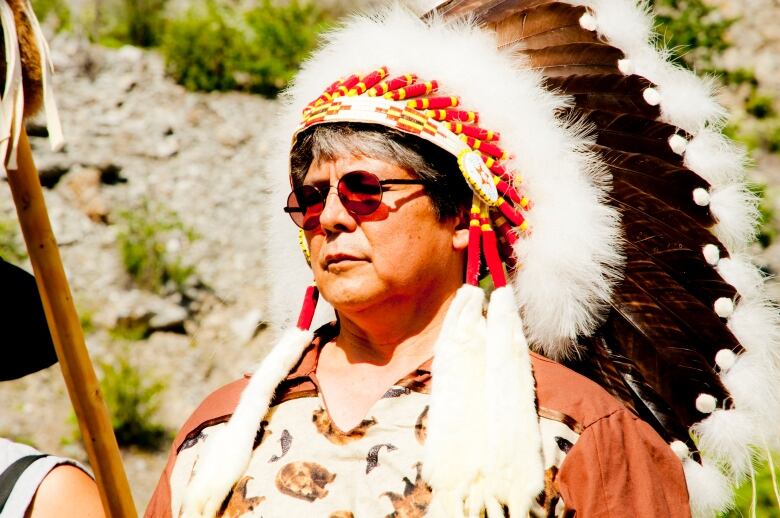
x: 653, y: 98
x: 711, y: 254
x: 706, y: 403
x: 736, y: 210
x: 454, y: 447
x: 724, y: 307
x: 708, y: 489
x: 514, y: 472
x: 701, y: 197
x: 754, y: 387
x: 725, y: 437
x: 738, y: 271
x: 725, y: 359
x: 571, y: 259
x: 678, y: 143
x: 715, y: 158
x: 588, y: 22
x: 680, y: 449
x: 226, y: 454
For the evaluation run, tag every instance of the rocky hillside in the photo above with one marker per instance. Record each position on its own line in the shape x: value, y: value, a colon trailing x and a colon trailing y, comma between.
x: 134, y: 138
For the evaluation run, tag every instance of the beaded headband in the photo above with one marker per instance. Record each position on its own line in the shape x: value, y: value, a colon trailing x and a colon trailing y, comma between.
x: 410, y: 105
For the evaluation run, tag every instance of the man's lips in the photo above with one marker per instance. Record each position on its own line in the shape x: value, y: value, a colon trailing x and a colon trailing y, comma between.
x: 341, y: 259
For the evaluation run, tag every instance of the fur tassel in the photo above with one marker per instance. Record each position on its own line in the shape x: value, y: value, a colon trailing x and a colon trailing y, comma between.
x: 453, y: 456
x: 726, y: 437
x: 514, y: 468
x: 754, y: 387
x: 227, y: 454
x: 708, y: 489
x: 736, y: 210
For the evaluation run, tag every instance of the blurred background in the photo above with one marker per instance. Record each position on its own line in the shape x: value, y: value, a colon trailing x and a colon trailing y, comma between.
x: 167, y: 108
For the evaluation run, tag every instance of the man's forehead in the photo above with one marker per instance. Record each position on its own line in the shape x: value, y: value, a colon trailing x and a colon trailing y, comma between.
x: 340, y: 165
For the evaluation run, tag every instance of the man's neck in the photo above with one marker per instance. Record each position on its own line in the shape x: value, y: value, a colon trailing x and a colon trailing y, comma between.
x: 396, y: 330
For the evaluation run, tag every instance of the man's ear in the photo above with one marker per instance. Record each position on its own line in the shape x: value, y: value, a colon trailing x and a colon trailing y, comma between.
x: 460, y: 235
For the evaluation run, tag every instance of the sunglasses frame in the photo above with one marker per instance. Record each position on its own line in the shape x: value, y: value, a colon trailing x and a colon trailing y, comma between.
x: 292, y: 211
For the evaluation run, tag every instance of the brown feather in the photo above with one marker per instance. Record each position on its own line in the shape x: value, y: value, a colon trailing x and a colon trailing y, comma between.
x: 671, y: 186
x: 543, y: 26
x: 639, y: 206
x: 668, y: 358
x: 575, y: 59
x: 608, y: 92
x: 633, y: 134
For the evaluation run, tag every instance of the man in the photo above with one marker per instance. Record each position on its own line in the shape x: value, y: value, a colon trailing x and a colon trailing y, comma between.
x: 416, y: 400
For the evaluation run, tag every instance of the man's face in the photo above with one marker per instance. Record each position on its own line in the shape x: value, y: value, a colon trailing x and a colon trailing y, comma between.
x: 399, y: 251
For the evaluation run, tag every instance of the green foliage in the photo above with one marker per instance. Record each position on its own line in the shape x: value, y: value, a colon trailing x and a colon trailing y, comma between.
x: 142, y: 243
x: 53, y: 12
x: 693, y: 30
x: 218, y: 47
x: 282, y: 36
x: 767, y: 230
x: 201, y: 49
x: 11, y: 246
x: 133, y: 22
x: 132, y: 400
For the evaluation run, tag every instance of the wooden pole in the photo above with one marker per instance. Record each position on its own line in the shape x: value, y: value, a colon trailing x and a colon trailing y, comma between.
x: 68, y: 337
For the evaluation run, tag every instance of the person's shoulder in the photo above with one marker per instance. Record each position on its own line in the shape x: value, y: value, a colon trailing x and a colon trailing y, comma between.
x: 560, y: 390
x: 217, y: 407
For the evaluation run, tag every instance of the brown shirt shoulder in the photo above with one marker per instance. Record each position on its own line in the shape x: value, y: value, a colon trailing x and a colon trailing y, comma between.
x: 619, y: 466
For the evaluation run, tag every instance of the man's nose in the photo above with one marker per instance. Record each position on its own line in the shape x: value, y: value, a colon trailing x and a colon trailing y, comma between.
x: 335, y: 217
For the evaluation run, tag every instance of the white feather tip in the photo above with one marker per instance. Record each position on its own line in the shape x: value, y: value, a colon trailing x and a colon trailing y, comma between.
x: 706, y: 403
x: 588, y: 22
x: 678, y: 143
x: 711, y: 254
x: 701, y: 197
x: 653, y: 98
x: 680, y: 449
x: 725, y: 359
x: 724, y: 307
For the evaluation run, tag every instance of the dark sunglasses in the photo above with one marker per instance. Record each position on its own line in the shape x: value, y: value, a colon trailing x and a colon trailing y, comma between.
x: 359, y: 191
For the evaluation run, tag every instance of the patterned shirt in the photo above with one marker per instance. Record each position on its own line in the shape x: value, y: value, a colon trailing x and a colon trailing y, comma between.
x: 600, y: 460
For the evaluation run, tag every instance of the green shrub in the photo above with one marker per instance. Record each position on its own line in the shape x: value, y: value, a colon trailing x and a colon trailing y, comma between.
x: 12, y: 247
x: 127, y: 22
x: 132, y: 400
x: 218, y: 47
x: 142, y: 243
x: 201, y: 49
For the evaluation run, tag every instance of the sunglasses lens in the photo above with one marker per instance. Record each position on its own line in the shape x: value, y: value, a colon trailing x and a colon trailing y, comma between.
x: 360, y: 192
x: 305, y: 205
